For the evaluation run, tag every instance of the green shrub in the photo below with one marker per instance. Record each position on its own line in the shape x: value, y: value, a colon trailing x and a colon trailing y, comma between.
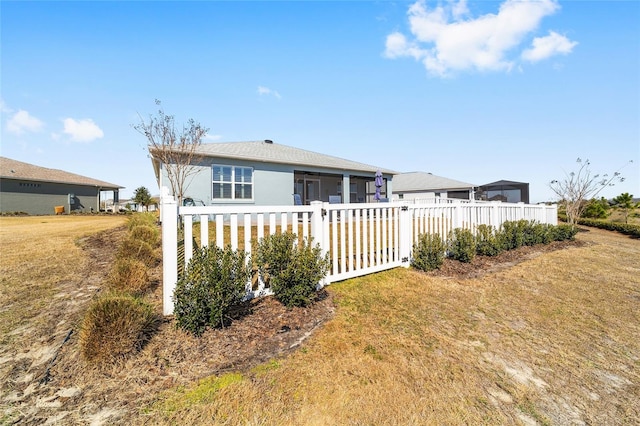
x: 116, y: 327
x: 132, y: 248
x: 513, y: 234
x: 214, y: 282
x: 147, y: 233
x: 542, y: 233
x: 461, y: 245
x: 488, y: 241
x: 534, y: 232
x: 292, y: 269
x: 564, y: 232
x: 428, y: 252
x: 129, y: 276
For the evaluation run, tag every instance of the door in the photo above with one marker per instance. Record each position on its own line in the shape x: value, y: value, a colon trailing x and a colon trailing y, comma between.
x: 311, y: 190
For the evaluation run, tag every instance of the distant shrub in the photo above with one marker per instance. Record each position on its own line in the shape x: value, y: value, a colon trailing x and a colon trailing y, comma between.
x: 623, y: 228
x: 461, y: 245
x: 428, y: 252
x: 597, y: 209
x: 291, y: 268
x: 116, y: 327
x: 488, y: 241
x: 147, y: 233
x: 132, y: 248
x: 129, y: 276
x: 213, y: 282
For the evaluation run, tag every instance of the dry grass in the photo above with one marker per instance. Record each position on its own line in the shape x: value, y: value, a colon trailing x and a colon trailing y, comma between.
x: 38, y: 254
x: 115, y: 327
x: 553, y: 340
x: 129, y: 276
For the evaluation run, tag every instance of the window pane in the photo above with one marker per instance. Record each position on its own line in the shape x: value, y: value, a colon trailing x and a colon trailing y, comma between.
x: 243, y: 174
x: 243, y: 192
x: 222, y: 173
x: 221, y: 190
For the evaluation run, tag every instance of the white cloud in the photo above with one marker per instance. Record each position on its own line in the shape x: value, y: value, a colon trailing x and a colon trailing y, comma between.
x: 22, y: 122
x: 266, y: 91
x: 82, y: 130
x: 446, y: 39
x: 545, y: 47
x: 209, y: 137
x: 4, y: 107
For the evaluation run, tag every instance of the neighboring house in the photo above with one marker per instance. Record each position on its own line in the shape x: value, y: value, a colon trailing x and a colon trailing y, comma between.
x: 38, y: 190
x: 426, y: 186
x: 505, y: 190
x: 267, y: 173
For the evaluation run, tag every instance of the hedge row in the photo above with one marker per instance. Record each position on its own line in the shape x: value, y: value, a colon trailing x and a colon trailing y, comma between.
x: 463, y: 245
x: 119, y: 323
x: 213, y: 283
x: 624, y: 228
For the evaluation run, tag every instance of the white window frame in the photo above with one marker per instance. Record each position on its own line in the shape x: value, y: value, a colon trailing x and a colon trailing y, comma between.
x: 232, y: 182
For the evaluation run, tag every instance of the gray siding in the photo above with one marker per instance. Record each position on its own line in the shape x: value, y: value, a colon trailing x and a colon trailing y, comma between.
x: 272, y: 183
x: 40, y: 198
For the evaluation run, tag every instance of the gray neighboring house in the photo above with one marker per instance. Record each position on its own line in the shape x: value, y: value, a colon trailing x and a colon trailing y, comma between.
x: 426, y: 186
x: 267, y: 173
x: 38, y: 190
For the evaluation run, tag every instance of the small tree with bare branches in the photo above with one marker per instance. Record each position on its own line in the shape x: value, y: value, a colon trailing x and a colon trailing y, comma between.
x: 579, y: 186
x: 176, y: 150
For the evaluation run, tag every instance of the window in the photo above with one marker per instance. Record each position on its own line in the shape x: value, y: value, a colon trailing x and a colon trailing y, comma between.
x: 232, y: 183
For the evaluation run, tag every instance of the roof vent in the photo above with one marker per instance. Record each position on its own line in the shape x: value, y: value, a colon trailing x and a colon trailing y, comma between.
x: 268, y: 141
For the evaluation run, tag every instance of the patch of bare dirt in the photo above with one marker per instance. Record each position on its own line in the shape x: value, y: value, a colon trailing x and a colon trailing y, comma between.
x: 66, y: 390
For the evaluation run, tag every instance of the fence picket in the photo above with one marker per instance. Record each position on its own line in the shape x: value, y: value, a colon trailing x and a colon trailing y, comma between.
x: 360, y: 238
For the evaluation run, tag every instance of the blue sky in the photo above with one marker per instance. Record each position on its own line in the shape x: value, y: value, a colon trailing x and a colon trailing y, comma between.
x: 473, y: 91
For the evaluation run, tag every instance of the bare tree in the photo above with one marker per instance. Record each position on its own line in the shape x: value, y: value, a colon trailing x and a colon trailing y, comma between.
x: 175, y: 150
x: 579, y: 186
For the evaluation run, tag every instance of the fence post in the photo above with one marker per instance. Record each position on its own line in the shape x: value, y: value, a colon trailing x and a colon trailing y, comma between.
x: 496, y: 219
x: 521, y: 210
x: 169, y: 210
x: 405, y: 240
x: 552, y: 214
x: 457, y: 216
x: 317, y: 230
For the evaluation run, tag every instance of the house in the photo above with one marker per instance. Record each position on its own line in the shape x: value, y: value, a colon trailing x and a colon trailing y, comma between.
x: 426, y: 186
x: 505, y: 190
x: 268, y: 173
x: 38, y: 190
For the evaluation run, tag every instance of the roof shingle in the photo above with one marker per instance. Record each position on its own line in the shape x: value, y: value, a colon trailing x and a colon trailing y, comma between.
x: 271, y: 152
x: 13, y: 169
x: 422, y: 181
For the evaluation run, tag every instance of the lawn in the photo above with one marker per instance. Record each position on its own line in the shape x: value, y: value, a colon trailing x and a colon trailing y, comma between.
x: 551, y: 339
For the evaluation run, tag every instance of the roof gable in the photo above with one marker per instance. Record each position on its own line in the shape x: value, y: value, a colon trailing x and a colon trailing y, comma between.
x: 13, y: 169
x: 270, y: 152
x: 504, y: 182
x: 423, y: 181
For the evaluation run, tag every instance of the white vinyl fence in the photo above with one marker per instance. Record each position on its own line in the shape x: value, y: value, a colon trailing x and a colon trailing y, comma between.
x: 360, y: 238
